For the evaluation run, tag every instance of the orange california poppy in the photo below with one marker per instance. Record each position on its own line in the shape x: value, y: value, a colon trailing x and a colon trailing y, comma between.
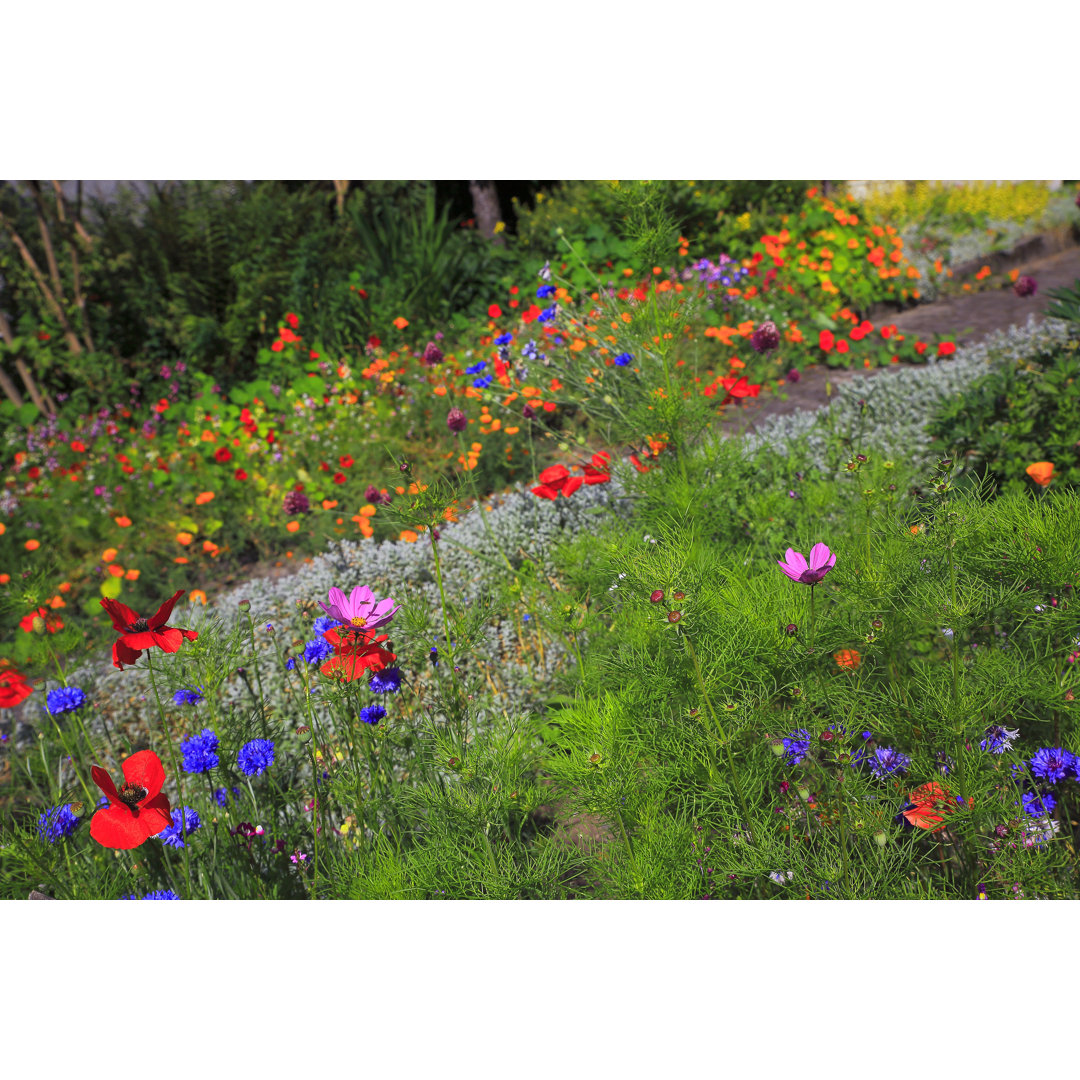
x: 1041, y: 472
x: 847, y: 658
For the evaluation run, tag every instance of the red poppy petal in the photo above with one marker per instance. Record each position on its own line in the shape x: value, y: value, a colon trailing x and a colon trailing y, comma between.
x: 571, y: 485
x: 105, y: 782
x: 117, y: 827
x: 545, y: 492
x: 145, y: 770
x: 122, y: 616
x: 161, y: 617
x: 169, y: 639
x: 553, y: 474
x: 123, y: 654
x: 138, y: 642
x: 191, y: 635
x: 154, y: 814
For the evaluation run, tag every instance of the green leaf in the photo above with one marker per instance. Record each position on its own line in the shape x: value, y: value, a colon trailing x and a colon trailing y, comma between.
x: 210, y: 527
x: 27, y: 414
x: 111, y: 588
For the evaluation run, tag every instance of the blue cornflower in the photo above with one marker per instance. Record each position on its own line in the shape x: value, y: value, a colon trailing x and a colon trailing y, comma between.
x: 797, y: 745
x: 504, y: 339
x: 290, y: 664
x: 221, y: 795
x: 64, y: 699
x: 57, y: 823
x: 187, y: 697
x: 161, y: 894
x: 998, y: 739
x: 434, y: 656
x: 548, y: 314
x: 483, y: 382
x: 174, y: 834
x: 387, y: 681
x: 316, y: 651
x: 545, y: 291
x: 1051, y: 764
x: 623, y: 359
x: 1038, y: 805
x: 372, y: 714
x: 529, y: 350
x: 324, y: 623
x: 886, y: 760
x: 200, y: 752
x: 476, y: 368
x: 256, y: 757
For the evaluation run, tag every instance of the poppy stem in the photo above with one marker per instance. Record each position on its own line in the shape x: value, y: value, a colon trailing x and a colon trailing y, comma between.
x: 176, y: 771
x: 812, y: 622
x: 258, y: 670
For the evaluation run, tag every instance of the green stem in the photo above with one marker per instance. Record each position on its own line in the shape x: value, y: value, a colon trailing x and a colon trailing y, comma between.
x: 175, y: 768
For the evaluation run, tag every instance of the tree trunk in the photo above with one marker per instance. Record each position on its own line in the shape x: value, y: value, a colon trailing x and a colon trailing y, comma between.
x: 486, y: 208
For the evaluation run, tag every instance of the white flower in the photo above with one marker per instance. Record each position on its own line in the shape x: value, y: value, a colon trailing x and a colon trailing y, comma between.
x: 781, y: 877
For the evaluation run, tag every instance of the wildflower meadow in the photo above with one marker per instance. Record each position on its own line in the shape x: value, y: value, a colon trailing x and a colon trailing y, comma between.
x: 395, y: 590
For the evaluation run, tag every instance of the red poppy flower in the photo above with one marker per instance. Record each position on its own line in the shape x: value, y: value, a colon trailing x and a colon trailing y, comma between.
x: 636, y: 462
x: 78, y: 446
x: 826, y: 340
x: 292, y: 320
x: 339, y: 478
x: 946, y: 348
x: 138, y: 634
x: 932, y: 802
x: 346, y: 461
x: 222, y: 454
x: 599, y: 471
x: 494, y: 312
x: 138, y: 810
x: 52, y: 622
x: 240, y: 474
x: 557, y: 478
x: 14, y: 689
x: 355, y: 654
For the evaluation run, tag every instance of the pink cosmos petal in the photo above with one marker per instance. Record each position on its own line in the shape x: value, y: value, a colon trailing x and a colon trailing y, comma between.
x: 793, y: 574
x: 795, y: 559
x: 819, y: 556
x: 360, y: 595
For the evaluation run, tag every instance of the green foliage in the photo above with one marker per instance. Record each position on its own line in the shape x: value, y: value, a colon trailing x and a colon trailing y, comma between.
x: 1013, y: 417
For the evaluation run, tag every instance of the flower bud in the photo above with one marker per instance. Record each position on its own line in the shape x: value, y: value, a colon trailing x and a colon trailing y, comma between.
x: 777, y: 746
x: 303, y: 733
x: 826, y: 736
x: 38, y: 625
x: 404, y: 467
x: 674, y: 616
x: 77, y: 809
x: 244, y: 605
x: 804, y: 794
x: 791, y: 629
x: 657, y: 596
x: 880, y: 838
x: 679, y: 595
x: 456, y: 420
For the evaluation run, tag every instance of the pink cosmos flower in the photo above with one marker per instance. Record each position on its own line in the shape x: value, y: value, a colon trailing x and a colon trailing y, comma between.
x: 360, y: 609
x: 796, y: 567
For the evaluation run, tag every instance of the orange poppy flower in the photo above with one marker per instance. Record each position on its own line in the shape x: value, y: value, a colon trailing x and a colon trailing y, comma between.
x: 847, y: 658
x: 400, y: 322
x: 1041, y: 472
x: 293, y: 526
x: 123, y: 521
x: 32, y: 545
x: 203, y: 497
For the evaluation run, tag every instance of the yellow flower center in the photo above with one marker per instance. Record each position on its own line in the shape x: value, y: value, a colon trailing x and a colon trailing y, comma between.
x: 358, y: 620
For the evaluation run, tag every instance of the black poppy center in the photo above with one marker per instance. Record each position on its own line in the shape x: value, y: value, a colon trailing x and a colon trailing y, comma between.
x: 139, y: 626
x: 132, y: 794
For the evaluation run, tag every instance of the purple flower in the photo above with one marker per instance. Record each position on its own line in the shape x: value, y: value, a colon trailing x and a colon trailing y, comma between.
x: 1050, y: 765
x: 456, y: 420
x: 360, y: 608
x: 375, y: 496
x: 765, y: 338
x: 432, y: 355
x: 797, y: 744
x: 296, y: 502
x: 886, y: 760
x: 1037, y: 805
x: 796, y: 567
x: 998, y: 739
x: 387, y: 681
x: 1025, y: 285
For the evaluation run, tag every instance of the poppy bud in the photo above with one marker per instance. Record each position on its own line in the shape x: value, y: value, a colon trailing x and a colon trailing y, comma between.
x: 77, y: 809
x: 791, y: 629
x: 244, y: 605
x: 456, y: 420
x: 657, y: 596
x: 298, y: 643
x: 880, y: 838
x: 38, y: 624
x: 674, y: 616
x: 303, y: 732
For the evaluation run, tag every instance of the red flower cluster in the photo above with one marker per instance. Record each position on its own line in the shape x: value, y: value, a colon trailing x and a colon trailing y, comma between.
x: 355, y: 652
x: 52, y: 622
x: 557, y: 478
x: 14, y: 689
x: 932, y: 803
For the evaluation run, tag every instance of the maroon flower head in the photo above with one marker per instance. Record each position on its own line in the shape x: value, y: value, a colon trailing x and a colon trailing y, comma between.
x: 296, y: 502
x: 793, y: 375
x: 456, y: 420
x: 1025, y: 285
x: 766, y: 337
x: 432, y: 355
